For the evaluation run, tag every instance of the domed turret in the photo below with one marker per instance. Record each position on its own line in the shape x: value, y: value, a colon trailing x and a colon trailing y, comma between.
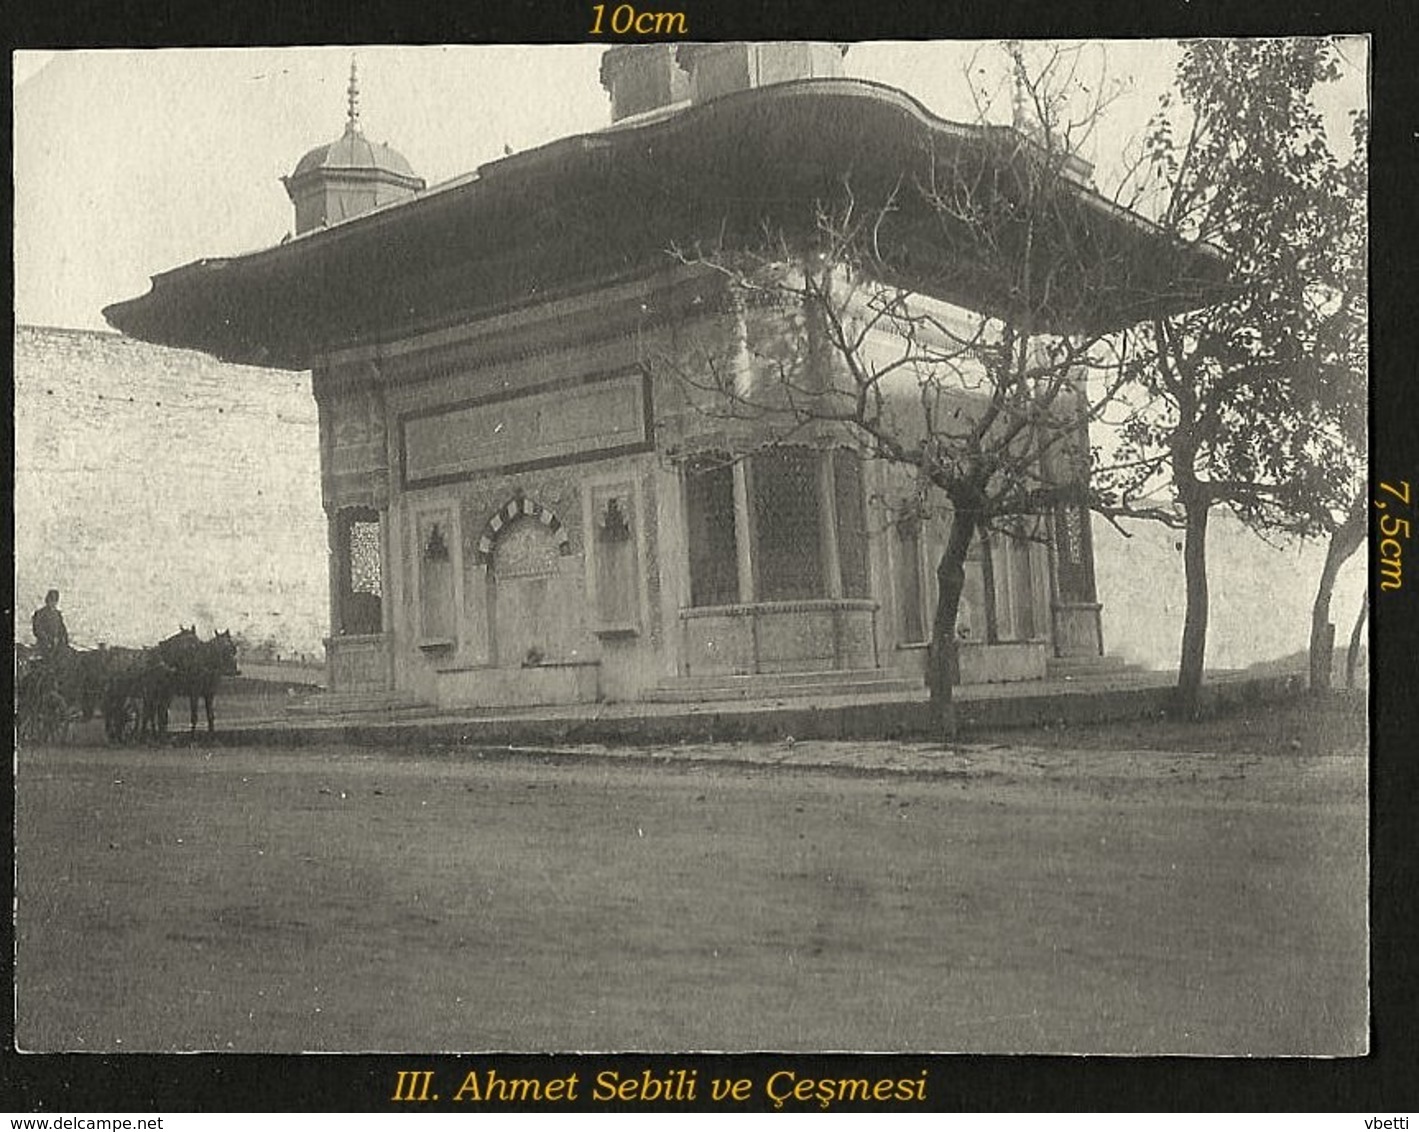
x: 349, y: 176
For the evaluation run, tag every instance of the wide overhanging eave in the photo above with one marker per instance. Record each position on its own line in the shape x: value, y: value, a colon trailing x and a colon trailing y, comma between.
x: 561, y: 214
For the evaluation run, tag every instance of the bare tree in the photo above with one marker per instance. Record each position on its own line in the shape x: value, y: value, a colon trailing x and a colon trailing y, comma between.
x: 957, y: 324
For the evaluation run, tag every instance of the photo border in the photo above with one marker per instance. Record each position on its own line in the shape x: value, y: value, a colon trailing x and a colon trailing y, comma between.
x: 1383, y: 1081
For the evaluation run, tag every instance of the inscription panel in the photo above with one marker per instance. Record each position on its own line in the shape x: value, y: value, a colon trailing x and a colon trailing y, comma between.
x: 552, y: 425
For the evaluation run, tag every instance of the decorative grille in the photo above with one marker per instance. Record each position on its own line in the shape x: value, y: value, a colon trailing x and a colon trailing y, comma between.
x: 714, y: 562
x: 910, y: 624
x: 525, y: 549
x: 1074, y: 535
x: 787, y: 521
x: 852, y: 522
x: 364, y: 558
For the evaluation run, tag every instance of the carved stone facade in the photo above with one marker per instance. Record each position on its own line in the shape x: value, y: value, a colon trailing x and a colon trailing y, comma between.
x: 532, y: 491
x: 558, y: 517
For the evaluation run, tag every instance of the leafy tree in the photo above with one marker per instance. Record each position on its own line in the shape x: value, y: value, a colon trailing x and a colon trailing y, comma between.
x: 1343, y: 344
x: 1245, y: 401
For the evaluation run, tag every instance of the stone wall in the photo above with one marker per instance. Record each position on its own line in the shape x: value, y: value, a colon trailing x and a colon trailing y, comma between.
x: 1260, y: 595
x: 155, y: 487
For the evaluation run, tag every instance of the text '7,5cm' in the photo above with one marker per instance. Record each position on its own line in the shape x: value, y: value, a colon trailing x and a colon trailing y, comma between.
x: 1392, y: 530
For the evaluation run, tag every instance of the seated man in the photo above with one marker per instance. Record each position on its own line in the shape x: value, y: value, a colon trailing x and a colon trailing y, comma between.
x: 50, y: 634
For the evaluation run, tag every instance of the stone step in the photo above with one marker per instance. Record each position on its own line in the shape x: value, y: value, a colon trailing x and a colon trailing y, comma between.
x: 1057, y: 667
x: 784, y: 685
x: 769, y: 679
x: 350, y: 703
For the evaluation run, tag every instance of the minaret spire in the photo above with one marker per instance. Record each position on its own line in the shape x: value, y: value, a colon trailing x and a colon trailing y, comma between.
x: 352, y: 123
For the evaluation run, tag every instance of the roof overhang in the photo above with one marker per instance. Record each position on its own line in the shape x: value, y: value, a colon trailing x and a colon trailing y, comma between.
x: 610, y: 204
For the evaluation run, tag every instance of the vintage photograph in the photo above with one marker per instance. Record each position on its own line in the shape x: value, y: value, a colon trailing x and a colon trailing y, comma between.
x: 672, y: 546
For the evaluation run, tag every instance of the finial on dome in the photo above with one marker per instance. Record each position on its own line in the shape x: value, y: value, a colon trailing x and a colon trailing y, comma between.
x: 349, y: 176
x: 352, y: 124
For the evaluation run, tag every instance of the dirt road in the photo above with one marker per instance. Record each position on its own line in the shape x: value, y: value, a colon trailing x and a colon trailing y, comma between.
x: 993, y: 900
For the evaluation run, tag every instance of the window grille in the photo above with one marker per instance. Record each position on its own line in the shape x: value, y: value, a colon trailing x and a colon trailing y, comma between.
x: 714, y: 555
x: 361, y: 578
x: 788, y: 551
x: 364, y: 558
x: 910, y: 622
x: 852, y: 522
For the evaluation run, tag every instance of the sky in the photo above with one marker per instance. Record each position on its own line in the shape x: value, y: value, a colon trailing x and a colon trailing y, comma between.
x: 129, y: 163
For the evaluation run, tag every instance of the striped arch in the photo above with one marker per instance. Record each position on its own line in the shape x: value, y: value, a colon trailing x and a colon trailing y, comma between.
x: 513, y: 509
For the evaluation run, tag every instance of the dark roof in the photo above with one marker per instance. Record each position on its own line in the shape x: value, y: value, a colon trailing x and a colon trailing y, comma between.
x: 601, y: 206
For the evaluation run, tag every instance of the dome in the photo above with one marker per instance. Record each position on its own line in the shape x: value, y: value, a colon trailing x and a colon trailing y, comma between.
x: 348, y: 177
x: 354, y: 151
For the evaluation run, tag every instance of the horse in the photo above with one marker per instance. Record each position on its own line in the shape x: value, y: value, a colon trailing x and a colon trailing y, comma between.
x: 197, y: 666
x: 136, y: 691
x: 92, y: 668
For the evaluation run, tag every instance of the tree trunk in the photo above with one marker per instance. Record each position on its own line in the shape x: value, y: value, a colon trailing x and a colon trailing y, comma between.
x: 1353, y: 655
x: 1194, y: 637
x: 1344, y: 541
x: 943, y: 663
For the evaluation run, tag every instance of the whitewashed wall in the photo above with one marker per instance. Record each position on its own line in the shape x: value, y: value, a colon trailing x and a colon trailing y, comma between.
x: 155, y: 487
x: 1261, y: 595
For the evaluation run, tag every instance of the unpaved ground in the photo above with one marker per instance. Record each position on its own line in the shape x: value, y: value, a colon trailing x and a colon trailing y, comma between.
x: 997, y: 898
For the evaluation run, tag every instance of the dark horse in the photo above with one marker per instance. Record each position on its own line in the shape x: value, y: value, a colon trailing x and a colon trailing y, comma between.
x: 137, y: 686
x: 197, y: 666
